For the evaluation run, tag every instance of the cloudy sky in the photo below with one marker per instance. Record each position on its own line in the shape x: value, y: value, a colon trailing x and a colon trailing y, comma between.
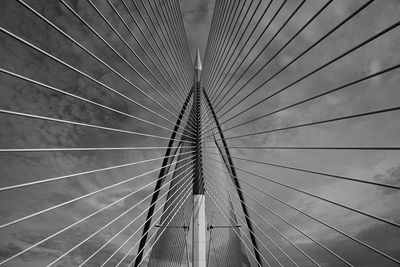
x: 26, y: 97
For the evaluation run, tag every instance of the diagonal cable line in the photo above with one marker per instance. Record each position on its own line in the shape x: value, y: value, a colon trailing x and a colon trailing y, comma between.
x: 292, y: 38
x: 169, y: 37
x: 136, y: 55
x: 180, y: 96
x: 377, y: 35
x: 237, y: 185
x: 159, y: 235
x: 187, y: 192
x: 174, y: 10
x: 210, y: 40
x: 185, y: 189
x: 182, y: 34
x: 28, y: 115
x: 168, y: 54
x: 344, y: 86
x: 73, y: 149
x: 220, y: 32
x: 229, y: 250
x: 260, y: 53
x: 188, y: 59
x: 179, y: 17
x: 172, y: 67
x: 119, y: 55
x: 63, y: 177
x: 221, y: 48
x: 222, y: 9
x: 168, y: 50
x: 211, y: 195
x: 342, y: 55
x: 172, y: 15
x: 78, y: 222
x: 169, y: 28
x: 76, y: 199
x: 209, y: 241
x: 148, y: 50
x: 237, y: 234
x: 225, y: 64
x: 228, y: 37
x: 363, y: 148
x: 134, y: 259
x: 268, y: 43
x: 100, y: 229
x: 315, y: 172
x: 88, y: 52
x: 339, y: 25
x: 177, y: 82
x: 180, y: 239
x: 107, y: 44
x: 364, y: 114
x: 227, y: 51
x: 326, y: 64
x: 170, y: 31
x: 274, y: 228
x: 229, y: 255
x: 208, y: 169
x: 319, y: 221
x: 367, y: 214
x: 305, y: 234
x: 180, y: 189
x: 130, y: 48
x: 144, y: 236
x: 207, y: 85
x: 212, y: 187
x: 81, y: 72
x: 225, y: 12
x: 282, y: 47
x: 27, y: 79
x: 123, y: 40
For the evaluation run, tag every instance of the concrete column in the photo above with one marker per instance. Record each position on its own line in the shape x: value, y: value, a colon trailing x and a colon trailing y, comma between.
x: 199, y: 232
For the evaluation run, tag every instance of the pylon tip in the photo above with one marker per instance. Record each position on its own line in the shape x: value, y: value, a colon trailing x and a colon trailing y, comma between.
x: 197, y: 62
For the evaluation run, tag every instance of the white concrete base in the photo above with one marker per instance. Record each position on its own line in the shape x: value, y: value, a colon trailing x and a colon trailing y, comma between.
x: 199, y: 232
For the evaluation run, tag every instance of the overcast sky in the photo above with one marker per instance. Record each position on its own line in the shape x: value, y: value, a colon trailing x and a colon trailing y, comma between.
x: 373, y: 94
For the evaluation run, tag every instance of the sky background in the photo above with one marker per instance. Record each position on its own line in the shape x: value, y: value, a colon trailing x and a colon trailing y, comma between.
x: 17, y: 132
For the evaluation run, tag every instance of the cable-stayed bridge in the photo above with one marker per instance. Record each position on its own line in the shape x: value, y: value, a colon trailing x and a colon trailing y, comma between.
x: 122, y: 146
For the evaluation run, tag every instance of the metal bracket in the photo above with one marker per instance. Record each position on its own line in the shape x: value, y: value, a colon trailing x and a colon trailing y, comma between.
x: 210, y: 227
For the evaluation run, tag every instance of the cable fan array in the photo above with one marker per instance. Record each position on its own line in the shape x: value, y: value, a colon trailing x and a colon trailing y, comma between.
x: 291, y: 129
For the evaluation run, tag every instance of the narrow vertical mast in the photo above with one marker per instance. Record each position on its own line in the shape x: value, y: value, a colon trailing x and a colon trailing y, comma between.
x: 197, y: 67
x: 199, y: 220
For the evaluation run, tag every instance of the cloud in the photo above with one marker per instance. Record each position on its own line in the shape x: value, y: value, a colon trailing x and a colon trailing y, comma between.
x: 391, y: 177
x: 18, y: 132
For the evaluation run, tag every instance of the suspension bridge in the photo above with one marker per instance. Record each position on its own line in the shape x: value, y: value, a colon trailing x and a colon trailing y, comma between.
x: 275, y: 144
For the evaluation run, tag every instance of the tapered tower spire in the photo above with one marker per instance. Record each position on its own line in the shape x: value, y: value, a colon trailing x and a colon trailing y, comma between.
x: 197, y: 67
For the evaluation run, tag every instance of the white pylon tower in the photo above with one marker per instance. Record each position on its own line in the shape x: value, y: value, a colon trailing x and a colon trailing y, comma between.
x: 199, y: 217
